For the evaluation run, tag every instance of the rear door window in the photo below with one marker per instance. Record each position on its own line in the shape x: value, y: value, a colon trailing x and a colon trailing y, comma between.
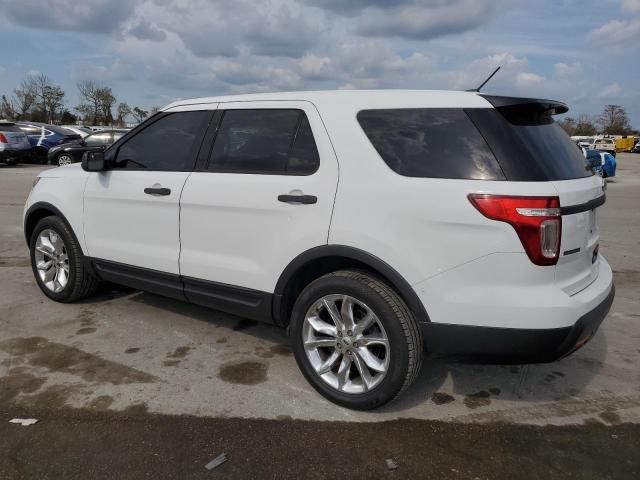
x: 264, y: 141
x: 430, y: 142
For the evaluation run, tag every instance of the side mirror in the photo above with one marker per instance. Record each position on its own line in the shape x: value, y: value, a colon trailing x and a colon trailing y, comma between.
x: 94, y: 162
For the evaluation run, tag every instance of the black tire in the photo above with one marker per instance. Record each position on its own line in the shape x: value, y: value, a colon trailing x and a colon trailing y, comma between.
x: 404, y: 336
x: 81, y: 283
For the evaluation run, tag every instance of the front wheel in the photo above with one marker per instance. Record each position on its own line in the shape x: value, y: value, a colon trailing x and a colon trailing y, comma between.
x: 355, y: 340
x: 58, y: 263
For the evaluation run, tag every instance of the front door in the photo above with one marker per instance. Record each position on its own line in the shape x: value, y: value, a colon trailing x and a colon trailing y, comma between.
x: 132, y: 211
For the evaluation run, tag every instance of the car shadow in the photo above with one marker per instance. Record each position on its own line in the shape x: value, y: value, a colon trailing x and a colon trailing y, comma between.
x: 442, y: 380
x: 445, y: 380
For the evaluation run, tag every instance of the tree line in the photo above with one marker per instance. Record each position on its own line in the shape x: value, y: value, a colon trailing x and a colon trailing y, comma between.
x: 38, y: 99
x: 612, y: 121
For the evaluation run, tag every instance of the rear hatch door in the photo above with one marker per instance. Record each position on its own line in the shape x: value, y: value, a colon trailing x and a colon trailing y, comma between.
x: 579, y: 258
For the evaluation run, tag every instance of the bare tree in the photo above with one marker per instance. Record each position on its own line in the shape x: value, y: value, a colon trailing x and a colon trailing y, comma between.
x: 123, y: 111
x: 25, y: 97
x: 7, y: 108
x: 140, y: 114
x: 90, y: 100
x: 585, y: 125
x: 614, y: 120
x: 53, y: 100
x: 107, y: 100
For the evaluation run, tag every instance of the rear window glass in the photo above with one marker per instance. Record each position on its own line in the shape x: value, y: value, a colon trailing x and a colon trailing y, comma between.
x: 433, y: 143
x: 530, y: 146
x: 9, y: 127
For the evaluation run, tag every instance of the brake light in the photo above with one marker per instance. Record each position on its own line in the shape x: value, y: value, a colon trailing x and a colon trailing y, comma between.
x: 536, y: 220
x: 3, y: 139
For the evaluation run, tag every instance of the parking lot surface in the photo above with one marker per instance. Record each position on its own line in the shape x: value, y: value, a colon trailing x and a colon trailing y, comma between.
x: 124, y: 350
x: 149, y: 387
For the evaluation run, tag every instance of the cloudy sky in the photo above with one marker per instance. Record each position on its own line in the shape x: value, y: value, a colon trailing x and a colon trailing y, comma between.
x: 151, y: 52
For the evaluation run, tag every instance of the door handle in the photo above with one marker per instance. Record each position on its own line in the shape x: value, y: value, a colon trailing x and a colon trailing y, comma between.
x: 305, y: 199
x: 157, y: 191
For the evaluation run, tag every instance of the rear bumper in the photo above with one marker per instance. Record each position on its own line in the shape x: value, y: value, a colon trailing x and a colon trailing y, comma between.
x: 516, y: 345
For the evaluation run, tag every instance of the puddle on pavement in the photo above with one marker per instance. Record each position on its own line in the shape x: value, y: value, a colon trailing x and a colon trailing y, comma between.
x: 244, y: 373
x: 56, y: 357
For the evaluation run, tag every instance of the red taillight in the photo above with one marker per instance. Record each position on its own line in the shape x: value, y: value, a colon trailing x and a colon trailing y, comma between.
x: 3, y: 139
x: 536, y: 220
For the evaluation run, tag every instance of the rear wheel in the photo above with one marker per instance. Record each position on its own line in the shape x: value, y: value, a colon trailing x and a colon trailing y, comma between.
x: 57, y: 262
x: 355, y: 340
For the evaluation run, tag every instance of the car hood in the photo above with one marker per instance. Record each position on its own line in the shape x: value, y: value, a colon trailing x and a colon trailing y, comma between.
x: 73, y: 170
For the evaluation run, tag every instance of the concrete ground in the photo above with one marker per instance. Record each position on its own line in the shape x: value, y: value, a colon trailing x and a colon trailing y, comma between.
x: 125, y: 349
x: 132, y: 385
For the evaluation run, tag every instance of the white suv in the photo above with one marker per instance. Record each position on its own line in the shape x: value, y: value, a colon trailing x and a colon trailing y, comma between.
x: 375, y: 225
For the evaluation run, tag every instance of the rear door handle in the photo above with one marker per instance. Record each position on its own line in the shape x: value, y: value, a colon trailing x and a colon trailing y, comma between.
x: 305, y: 199
x: 157, y: 191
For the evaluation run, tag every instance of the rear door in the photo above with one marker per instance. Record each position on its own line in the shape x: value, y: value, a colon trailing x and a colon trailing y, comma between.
x: 263, y: 193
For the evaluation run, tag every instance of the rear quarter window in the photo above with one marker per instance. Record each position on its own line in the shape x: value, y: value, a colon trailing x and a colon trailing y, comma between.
x: 430, y: 143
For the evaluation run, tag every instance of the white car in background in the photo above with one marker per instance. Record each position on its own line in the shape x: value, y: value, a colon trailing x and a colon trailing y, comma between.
x: 82, y: 131
x: 371, y: 224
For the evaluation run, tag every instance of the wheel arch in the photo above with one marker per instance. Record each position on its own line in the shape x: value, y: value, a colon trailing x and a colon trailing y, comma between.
x: 37, y: 212
x: 318, y: 261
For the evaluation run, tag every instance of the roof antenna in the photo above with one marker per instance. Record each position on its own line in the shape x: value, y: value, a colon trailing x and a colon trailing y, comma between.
x: 485, y: 82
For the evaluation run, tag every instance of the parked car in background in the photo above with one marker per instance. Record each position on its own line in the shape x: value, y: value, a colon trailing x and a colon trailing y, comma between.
x: 602, y: 163
x: 43, y: 136
x: 82, y: 131
x: 14, y: 144
x: 72, y: 152
x: 636, y: 149
x: 604, y: 145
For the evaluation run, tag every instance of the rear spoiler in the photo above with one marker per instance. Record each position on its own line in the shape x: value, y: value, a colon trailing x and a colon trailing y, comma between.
x: 537, y: 105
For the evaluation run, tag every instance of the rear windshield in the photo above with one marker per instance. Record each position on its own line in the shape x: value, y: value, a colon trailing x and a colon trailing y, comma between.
x: 530, y: 146
x: 433, y: 143
x: 9, y: 127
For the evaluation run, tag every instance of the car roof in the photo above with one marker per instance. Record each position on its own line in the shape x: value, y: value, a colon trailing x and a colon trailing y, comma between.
x: 356, y: 98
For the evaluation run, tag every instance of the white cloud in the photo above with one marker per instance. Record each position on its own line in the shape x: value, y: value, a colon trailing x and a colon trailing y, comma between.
x: 611, y: 91
x: 567, y: 70
x: 528, y: 80
x: 618, y: 33
x: 630, y: 5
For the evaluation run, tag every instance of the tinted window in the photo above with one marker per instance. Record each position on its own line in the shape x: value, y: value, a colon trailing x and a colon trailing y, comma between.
x: 435, y: 143
x: 276, y: 142
x: 167, y: 144
x: 102, y: 138
x: 529, y: 146
x: 9, y: 127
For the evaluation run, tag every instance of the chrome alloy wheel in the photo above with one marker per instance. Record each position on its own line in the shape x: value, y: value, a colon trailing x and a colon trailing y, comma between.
x: 52, y: 261
x: 346, y: 344
x: 64, y: 159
